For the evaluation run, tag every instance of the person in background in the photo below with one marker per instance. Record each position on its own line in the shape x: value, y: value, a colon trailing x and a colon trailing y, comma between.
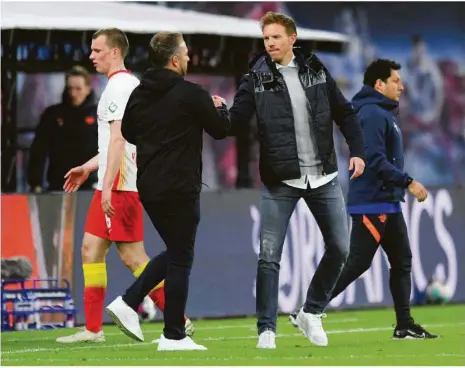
x: 374, y: 198
x: 66, y: 135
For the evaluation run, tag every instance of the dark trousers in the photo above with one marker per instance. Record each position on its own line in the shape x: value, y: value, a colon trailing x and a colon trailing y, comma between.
x: 277, y: 204
x: 389, y: 231
x: 176, y: 221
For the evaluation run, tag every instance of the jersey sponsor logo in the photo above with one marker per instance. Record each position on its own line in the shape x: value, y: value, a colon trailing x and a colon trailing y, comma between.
x: 112, y: 107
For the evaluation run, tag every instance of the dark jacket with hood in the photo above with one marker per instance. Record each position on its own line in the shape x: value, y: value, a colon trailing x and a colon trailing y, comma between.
x: 264, y: 92
x: 165, y: 118
x: 381, y: 187
x: 68, y: 136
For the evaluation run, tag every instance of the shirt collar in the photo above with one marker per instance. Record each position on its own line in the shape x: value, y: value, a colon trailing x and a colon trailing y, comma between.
x: 290, y: 65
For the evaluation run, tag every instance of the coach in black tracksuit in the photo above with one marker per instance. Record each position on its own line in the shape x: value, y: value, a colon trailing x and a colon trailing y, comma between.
x: 374, y: 197
x: 165, y: 118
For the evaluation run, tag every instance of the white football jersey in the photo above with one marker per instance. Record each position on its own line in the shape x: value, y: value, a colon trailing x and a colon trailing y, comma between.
x: 111, y: 107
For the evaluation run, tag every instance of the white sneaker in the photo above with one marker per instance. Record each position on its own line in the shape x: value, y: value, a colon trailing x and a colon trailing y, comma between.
x: 310, y: 325
x: 126, y: 318
x: 266, y: 340
x: 185, y: 344
x: 84, y: 335
x: 190, y: 329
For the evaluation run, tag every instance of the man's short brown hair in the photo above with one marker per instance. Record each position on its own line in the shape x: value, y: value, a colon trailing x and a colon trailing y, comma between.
x: 279, y: 18
x: 163, y: 46
x: 79, y: 71
x: 115, y: 38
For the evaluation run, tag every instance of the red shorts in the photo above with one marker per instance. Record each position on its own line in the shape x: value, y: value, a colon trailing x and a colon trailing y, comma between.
x: 126, y: 225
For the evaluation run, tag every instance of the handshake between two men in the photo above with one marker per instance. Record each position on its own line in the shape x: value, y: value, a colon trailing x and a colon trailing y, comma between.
x: 218, y: 101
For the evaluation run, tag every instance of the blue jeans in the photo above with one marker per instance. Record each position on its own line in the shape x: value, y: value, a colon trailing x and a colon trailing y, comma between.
x: 277, y: 204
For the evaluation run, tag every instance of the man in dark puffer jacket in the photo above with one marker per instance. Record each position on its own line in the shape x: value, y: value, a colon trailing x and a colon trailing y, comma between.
x: 296, y: 100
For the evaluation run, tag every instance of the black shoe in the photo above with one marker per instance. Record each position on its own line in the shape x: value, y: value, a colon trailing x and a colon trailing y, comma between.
x: 414, y: 331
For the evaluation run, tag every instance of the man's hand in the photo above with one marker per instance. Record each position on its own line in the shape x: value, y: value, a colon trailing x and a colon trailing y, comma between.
x: 218, y: 101
x: 358, y: 165
x: 106, y: 202
x: 418, y: 190
x: 75, y: 178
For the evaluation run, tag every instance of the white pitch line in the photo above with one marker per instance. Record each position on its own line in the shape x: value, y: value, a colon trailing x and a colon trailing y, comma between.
x: 100, y: 345
x: 157, y: 331
x: 93, y: 346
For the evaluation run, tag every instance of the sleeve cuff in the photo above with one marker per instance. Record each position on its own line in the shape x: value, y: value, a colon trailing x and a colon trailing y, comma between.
x: 408, y: 181
x: 359, y: 155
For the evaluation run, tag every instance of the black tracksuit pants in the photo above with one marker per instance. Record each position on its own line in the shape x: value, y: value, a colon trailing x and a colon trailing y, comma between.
x: 368, y: 233
x: 176, y: 221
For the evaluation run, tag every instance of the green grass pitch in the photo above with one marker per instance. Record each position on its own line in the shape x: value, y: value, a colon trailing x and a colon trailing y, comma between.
x: 361, y: 337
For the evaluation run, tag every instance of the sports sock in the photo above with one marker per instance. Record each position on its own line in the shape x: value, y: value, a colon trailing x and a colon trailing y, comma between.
x: 95, y: 286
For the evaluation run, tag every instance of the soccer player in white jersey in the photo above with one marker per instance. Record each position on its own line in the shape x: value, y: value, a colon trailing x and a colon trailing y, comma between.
x: 115, y: 213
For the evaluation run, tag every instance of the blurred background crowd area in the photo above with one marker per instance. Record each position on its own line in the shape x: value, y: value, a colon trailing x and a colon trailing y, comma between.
x: 428, y: 39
